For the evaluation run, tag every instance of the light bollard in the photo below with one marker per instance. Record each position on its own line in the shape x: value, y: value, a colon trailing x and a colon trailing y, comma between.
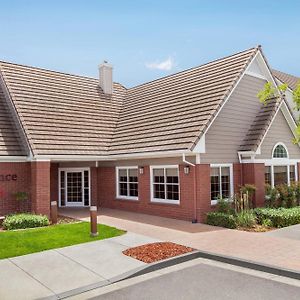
x: 53, y: 212
x: 93, y: 215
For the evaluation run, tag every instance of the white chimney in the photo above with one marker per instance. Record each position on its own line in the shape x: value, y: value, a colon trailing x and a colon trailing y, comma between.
x: 106, y: 77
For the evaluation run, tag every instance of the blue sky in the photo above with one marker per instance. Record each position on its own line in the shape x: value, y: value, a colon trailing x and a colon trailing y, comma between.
x: 145, y: 40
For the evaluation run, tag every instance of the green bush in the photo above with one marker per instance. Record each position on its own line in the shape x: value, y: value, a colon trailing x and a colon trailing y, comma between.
x: 287, y: 195
x: 280, y: 217
x: 225, y: 206
x: 21, y: 221
x: 246, y: 219
x: 221, y: 219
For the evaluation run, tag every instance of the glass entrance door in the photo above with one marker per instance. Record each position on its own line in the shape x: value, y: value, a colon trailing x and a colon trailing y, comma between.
x: 74, y: 187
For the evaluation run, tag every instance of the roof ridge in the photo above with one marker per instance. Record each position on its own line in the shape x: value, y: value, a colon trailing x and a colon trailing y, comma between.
x: 196, y: 67
x: 52, y: 71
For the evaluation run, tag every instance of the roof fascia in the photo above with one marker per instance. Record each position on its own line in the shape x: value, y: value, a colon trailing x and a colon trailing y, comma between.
x: 15, y: 115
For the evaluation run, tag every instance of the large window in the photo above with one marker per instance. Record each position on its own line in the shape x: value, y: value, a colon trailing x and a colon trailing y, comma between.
x: 280, y: 174
x: 220, y: 182
x: 127, y: 183
x: 165, y: 184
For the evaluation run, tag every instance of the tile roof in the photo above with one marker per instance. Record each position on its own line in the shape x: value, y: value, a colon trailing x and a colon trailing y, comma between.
x: 171, y: 113
x: 260, y: 125
x: 10, y: 143
x: 291, y: 80
x: 64, y: 114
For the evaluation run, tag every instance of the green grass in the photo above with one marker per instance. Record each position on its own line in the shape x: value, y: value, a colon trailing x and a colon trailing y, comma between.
x: 20, y: 242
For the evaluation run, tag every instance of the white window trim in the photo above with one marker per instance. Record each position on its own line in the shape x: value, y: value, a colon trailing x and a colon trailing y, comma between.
x: 286, y: 163
x: 286, y: 149
x: 157, y: 200
x: 59, y: 191
x: 121, y: 197
x: 214, y: 202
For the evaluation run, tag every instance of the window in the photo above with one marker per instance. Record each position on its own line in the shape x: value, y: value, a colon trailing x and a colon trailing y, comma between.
x: 165, y: 184
x: 268, y: 179
x: 280, y: 174
x: 127, y: 183
x: 280, y: 152
x: 220, y: 182
x: 292, y: 174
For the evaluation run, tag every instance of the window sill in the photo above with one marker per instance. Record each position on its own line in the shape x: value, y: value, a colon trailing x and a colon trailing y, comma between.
x: 127, y: 198
x: 162, y: 201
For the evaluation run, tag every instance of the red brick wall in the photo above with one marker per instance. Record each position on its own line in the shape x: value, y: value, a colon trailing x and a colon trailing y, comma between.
x: 8, y: 202
x: 203, y: 191
x: 40, y: 187
x: 254, y: 173
x: 107, y: 195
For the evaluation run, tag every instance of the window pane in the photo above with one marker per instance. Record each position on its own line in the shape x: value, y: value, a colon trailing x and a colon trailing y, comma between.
x: 225, y: 172
x: 172, y: 175
x: 292, y: 173
x: 133, y: 175
x: 159, y: 191
x: 172, y: 192
x: 133, y: 189
x: 123, y: 175
x: 280, y: 152
x: 158, y: 175
x: 123, y: 189
x: 280, y: 175
x: 268, y: 175
x: 214, y: 183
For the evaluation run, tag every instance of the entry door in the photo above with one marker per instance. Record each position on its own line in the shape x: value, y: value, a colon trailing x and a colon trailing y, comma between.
x: 74, y: 181
x: 74, y: 187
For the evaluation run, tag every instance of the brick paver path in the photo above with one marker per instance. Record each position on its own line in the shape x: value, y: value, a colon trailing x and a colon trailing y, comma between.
x: 258, y: 247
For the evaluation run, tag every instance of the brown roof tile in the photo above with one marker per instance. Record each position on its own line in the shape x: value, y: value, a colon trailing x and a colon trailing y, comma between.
x: 291, y: 80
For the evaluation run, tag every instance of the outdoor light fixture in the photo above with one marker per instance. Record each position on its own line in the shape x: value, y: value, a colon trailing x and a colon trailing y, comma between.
x: 186, y: 170
x: 141, y: 170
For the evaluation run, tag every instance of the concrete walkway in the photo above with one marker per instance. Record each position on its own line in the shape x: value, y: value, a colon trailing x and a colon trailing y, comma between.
x: 66, y: 271
x: 258, y: 247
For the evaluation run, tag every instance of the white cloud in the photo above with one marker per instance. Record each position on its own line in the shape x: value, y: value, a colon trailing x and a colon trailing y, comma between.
x: 165, y: 65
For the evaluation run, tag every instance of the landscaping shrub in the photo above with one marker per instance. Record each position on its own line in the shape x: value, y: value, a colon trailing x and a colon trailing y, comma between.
x: 271, y: 196
x: 21, y: 221
x: 287, y: 195
x: 225, y: 206
x: 280, y: 217
x: 246, y: 219
x: 221, y: 219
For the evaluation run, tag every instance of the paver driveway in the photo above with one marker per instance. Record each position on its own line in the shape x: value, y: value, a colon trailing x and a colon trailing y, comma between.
x: 259, y: 247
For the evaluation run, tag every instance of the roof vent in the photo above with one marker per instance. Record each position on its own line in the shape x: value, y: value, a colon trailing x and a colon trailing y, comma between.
x: 106, y: 77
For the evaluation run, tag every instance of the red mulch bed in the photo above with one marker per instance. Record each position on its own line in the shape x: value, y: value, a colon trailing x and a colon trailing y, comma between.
x: 156, y: 251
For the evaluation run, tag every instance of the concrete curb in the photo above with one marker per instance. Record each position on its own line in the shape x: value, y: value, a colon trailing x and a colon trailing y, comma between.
x: 180, y: 259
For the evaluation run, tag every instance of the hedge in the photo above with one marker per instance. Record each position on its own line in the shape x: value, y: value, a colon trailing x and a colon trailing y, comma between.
x: 22, y: 221
x: 221, y: 219
x: 280, y: 217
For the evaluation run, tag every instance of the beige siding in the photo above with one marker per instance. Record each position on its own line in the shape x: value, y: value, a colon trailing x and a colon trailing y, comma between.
x: 229, y: 129
x: 279, y: 132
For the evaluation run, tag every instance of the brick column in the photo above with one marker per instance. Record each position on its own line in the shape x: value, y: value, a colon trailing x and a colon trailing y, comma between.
x: 203, y: 191
x: 94, y: 186
x: 40, y: 187
x: 144, y: 186
x: 298, y: 171
x: 254, y: 173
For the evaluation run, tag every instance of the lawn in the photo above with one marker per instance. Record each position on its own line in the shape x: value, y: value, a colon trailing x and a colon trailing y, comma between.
x: 20, y: 242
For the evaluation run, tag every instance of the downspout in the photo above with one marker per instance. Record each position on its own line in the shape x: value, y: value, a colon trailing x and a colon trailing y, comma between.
x: 194, y: 192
